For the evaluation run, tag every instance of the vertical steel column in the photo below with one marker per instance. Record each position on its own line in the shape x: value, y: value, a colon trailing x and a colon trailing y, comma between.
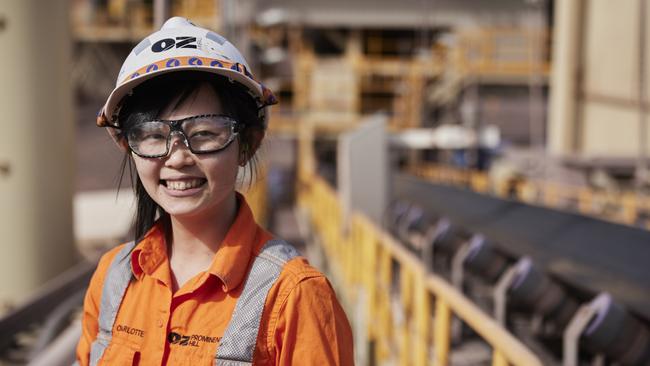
x: 641, y: 173
x: 228, y: 23
x: 36, y: 145
x: 562, y: 127
x: 161, y: 13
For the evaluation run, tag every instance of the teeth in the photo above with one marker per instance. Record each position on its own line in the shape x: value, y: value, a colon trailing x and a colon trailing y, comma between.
x: 181, y: 185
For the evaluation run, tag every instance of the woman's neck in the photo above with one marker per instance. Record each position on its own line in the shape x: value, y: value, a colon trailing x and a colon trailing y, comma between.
x: 193, y: 237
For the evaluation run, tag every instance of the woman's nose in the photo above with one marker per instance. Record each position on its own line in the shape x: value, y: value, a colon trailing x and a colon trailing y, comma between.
x: 179, y: 153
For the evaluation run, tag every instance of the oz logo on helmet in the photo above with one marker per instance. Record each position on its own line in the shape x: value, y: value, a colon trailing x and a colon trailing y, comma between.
x: 169, y: 43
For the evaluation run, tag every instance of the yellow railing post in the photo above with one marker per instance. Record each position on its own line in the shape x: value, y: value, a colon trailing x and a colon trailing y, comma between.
x: 369, y: 260
x: 550, y: 194
x: 585, y: 204
x: 422, y: 320
x: 479, y: 182
x: 630, y: 210
x: 442, y: 333
x: 406, y: 301
x: 384, y: 313
x: 498, y: 359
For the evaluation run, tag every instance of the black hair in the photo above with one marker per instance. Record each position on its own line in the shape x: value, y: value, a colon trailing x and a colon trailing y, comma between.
x: 150, y: 98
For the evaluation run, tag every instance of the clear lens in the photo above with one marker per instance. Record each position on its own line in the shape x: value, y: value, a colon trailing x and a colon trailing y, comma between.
x: 203, y: 134
x: 149, y: 138
x: 208, y: 133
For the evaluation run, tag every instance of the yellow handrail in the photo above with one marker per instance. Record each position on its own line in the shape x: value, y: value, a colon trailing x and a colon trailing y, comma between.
x: 622, y: 207
x: 507, y: 52
x: 366, y: 260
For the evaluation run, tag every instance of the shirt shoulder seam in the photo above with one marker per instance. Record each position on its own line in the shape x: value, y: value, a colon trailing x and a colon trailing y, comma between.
x: 296, y: 277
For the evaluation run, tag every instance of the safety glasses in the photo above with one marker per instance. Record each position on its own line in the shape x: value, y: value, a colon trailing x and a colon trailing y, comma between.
x: 202, y: 134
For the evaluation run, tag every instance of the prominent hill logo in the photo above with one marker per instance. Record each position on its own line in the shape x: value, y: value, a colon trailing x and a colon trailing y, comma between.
x: 190, y: 340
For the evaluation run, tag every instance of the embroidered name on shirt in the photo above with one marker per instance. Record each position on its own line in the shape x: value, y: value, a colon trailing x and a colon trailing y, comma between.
x: 128, y: 330
x: 190, y: 340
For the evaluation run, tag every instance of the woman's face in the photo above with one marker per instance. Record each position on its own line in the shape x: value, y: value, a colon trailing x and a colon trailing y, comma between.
x: 187, y: 184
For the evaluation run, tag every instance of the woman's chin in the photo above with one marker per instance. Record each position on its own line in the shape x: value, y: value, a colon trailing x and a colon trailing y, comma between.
x: 180, y: 206
x: 183, y: 209
x: 192, y: 206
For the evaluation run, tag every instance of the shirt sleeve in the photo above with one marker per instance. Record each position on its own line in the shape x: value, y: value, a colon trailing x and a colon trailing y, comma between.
x: 312, y: 329
x: 90, y: 315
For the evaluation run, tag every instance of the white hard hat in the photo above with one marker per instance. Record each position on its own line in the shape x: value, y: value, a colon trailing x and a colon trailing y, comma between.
x: 182, y: 46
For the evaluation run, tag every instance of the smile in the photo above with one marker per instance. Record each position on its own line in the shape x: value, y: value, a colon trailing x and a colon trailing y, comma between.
x: 184, y: 184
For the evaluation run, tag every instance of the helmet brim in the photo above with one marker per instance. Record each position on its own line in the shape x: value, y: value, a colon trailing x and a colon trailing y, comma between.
x: 115, y: 98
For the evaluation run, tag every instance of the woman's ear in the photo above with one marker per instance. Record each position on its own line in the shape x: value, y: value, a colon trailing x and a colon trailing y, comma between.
x: 123, y: 143
x: 250, y: 145
x: 243, y: 153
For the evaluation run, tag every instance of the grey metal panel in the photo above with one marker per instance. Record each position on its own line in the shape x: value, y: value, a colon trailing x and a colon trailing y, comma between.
x: 588, y: 253
x: 362, y: 170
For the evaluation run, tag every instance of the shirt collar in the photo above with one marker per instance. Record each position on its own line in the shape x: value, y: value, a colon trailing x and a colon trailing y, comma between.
x: 150, y: 253
x: 242, y: 242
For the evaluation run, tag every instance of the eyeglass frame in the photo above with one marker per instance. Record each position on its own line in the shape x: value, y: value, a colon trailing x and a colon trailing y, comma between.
x: 177, y: 126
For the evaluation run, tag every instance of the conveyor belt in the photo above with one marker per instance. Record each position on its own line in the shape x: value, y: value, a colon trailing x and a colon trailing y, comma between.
x: 587, y: 253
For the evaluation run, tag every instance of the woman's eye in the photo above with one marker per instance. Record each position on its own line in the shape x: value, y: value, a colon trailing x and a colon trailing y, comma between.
x: 204, y: 133
x: 153, y: 136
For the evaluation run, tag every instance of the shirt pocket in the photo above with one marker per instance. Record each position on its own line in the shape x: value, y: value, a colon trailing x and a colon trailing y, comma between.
x: 118, y: 354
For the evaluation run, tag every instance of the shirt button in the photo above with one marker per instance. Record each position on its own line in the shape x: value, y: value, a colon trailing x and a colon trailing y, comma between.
x: 160, y: 323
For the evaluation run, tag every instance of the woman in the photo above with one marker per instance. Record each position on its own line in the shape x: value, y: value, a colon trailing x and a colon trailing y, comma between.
x: 202, y: 284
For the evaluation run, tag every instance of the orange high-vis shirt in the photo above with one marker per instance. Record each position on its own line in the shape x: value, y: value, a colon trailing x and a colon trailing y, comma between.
x: 302, y: 322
